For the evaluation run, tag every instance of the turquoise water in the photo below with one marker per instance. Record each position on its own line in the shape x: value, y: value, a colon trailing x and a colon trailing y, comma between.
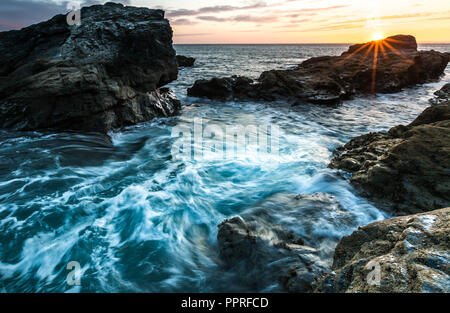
x: 138, y: 220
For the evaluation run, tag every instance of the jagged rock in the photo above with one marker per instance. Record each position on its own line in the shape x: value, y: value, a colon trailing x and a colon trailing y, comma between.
x: 221, y: 88
x: 442, y: 95
x: 406, y: 169
x: 102, y: 74
x: 384, y: 66
x: 262, y: 246
x: 403, y: 254
x: 185, y: 61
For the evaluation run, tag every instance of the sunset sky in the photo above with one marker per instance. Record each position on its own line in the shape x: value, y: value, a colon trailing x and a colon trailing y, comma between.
x: 270, y: 21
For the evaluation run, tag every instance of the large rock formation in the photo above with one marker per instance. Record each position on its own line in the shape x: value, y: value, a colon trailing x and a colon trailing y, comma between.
x: 406, y: 169
x: 384, y: 66
x: 262, y: 247
x: 404, y: 254
x: 102, y: 74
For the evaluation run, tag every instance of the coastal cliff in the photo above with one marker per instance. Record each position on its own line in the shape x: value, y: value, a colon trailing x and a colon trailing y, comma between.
x: 102, y: 74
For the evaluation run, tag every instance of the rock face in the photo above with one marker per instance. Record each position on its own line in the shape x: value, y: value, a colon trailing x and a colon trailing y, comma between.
x: 442, y: 95
x: 384, y: 66
x: 221, y: 88
x: 262, y: 247
x: 407, y: 168
x: 404, y: 254
x: 102, y: 74
x: 185, y: 61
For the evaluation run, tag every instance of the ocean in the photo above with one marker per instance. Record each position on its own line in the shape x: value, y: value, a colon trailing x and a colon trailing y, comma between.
x: 137, y: 219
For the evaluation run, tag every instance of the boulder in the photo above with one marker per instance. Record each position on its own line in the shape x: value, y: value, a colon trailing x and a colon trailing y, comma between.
x: 400, y: 255
x: 183, y: 61
x: 406, y: 169
x: 220, y: 88
x: 442, y: 95
x: 397, y: 42
x: 384, y: 66
x: 102, y: 74
x: 263, y: 247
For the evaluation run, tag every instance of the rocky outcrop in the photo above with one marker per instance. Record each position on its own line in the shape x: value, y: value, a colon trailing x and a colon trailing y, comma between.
x: 221, y: 88
x: 442, y: 95
x: 384, y: 66
x: 184, y: 61
x: 404, y: 254
x: 262, y: 247
x: 102, y: 74
x: 406, y: 169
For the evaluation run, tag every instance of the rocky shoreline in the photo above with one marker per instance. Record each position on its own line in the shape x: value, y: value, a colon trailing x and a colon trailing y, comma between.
x: 409, y: 254
x: 384, y: 66
x: 108, y: 73
x: 406, y: 171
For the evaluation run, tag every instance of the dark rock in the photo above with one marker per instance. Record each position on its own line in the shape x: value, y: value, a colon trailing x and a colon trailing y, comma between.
x: 401, y: 255
x: 442, y: 95
x: 406, y: 169
x: 100, y: 75
x: 221, y: 88
x: 262, y: 247
x: 384, y: 66
x: 185, y: 61
x: 397, y: 42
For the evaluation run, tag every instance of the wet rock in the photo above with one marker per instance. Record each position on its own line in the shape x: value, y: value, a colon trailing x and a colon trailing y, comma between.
x: 184, y: 61
x: 406, y: 169
x: 262, y: 246
x: 221, y: 88
x: 442, y: 95
x: 103, y: 74
x: 403, y: 254
x: 384, y: 66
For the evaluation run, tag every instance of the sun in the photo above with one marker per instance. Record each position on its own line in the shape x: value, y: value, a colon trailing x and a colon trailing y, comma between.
x: 377, y: 36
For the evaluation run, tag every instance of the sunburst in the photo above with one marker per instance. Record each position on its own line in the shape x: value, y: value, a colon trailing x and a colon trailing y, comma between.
x: 377, y: 48
x: 377, y: 36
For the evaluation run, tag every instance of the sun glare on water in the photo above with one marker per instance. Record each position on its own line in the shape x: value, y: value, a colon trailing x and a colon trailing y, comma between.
x: 377, y: 36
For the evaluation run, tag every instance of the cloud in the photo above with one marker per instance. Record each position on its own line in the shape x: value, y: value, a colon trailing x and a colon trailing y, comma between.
x: 193, y: 34
x: 215, y: 9
x: 240, y: 18
x: 183, y: 21
x: 211, y: 18
x: 392, y: 17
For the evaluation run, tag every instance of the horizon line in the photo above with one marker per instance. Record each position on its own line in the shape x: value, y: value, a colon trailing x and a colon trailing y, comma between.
x: 306, y: 43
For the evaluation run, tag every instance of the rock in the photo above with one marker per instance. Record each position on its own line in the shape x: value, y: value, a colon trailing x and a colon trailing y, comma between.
x: 185, y: 61
x: 103, y: 74
x: 384, y: 66
x: 406, y: 169
x: 399, y: 255
x: 262, y: 247
x: 220, y: 88
x: 397, y: 42
x: 442, y: 95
